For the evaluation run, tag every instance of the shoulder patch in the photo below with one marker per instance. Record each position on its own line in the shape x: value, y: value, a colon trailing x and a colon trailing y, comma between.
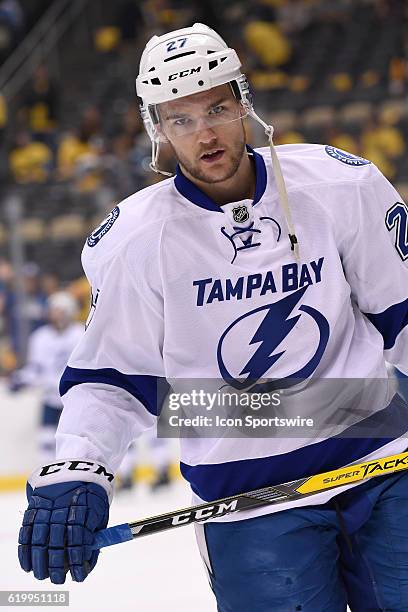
x: 103, y: 228
x: 346, y: 158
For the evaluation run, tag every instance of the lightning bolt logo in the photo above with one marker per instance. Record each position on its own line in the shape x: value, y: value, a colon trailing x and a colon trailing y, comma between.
x: 274, y: 328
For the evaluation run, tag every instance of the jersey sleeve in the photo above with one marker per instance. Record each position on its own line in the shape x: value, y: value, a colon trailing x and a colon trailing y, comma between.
x: 374, y: 250
x: 110, y: 388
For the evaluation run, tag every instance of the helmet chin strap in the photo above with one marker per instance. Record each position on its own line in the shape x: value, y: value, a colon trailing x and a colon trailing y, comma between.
x: 280, y: 183
x: 155, y: 158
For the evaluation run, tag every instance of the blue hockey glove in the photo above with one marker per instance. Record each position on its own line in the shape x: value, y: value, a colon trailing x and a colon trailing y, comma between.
x: 60, y: 521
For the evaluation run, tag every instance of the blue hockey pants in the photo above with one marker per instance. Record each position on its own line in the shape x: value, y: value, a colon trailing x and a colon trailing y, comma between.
x: 351, y: 551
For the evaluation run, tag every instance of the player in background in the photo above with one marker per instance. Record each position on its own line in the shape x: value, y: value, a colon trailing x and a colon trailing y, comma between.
x: 48, y: 351
x: 159, y: 456
x: 248, y: 265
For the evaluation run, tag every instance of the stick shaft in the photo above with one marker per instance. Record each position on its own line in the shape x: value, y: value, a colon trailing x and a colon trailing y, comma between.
x: 296, y: 489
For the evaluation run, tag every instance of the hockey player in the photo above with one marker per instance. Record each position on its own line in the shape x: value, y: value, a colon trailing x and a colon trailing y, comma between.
x: 49, y: 348
x: 159, y: 454
x: 231, y: 271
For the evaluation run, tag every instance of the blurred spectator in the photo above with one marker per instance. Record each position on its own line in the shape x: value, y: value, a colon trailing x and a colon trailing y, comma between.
x: 398, y: 75
x: 341, y: 140
x: 50, y: 283
x: 81, y: 291
x: 209, y: 13
x: 132, y: 123
x: 125, y: 163
x: 29, y: 161
x: 162, y: 15
x: 6, y: 276
x: 130, y: 21
x: 78, y: 155
x: 382, y: 144
x: 35, y: 299
x: 107, y: 39
x: 3, y: 118
x: 268, y: 43
x: 89, y: 172
x: 8, y: 359
x: 90, y: 124
x: 39, y: 108
x: 262, y: 10
x: 33, y: 305
x: 390, y: 8
x: 337, y: 11
x: 118, y: 165
x: 289, y: 137
x: 71, y: 148
x: 11, y: 26
x: 294, y: 16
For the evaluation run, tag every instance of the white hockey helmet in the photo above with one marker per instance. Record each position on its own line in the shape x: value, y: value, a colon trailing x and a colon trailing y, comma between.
x: 182, y: 63
x: 63, y: 302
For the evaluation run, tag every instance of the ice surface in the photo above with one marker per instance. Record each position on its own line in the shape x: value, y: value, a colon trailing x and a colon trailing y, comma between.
x: 158, y: 573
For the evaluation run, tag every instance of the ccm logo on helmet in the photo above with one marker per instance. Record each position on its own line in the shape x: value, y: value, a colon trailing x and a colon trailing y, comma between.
x: 184, y: 73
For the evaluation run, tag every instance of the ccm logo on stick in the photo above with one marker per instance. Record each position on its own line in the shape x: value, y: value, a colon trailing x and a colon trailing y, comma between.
x: 204, y: 513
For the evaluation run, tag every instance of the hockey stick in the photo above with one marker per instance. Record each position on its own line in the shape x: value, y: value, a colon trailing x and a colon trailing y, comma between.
x: 289, y: 491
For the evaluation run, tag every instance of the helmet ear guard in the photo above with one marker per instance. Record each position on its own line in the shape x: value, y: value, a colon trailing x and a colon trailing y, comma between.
x: 242, y: 91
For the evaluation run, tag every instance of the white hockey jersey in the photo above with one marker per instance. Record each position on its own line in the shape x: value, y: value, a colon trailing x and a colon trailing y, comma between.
x: 48, y: 352
x: 185, y: 289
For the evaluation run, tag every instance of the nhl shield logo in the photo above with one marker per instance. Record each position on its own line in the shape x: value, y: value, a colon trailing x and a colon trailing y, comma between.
x: 240, y: 214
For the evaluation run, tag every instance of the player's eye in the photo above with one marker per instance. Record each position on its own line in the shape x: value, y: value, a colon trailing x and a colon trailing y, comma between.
x: 181, y: 121
x: 216, y: 110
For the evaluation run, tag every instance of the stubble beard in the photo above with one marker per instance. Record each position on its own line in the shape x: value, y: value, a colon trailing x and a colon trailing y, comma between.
x: 234, y: 155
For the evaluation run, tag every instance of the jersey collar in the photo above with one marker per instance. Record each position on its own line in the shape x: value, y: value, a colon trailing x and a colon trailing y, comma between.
x: 198, y: 197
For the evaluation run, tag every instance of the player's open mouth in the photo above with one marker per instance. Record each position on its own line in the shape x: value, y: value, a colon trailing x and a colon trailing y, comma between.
x: 213, y: 156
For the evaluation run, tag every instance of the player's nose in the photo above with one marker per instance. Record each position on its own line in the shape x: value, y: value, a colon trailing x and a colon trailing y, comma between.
x: 206, y: 135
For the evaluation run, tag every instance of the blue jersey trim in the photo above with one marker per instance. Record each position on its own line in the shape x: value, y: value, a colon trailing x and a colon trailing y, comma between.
x: 390, y: 322
x: 149, y: 390
x: 190, y: 191
x: 213, y: 481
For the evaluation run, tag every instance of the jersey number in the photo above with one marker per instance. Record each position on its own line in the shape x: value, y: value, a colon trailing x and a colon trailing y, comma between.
x: 397, y: 217
x: 176, y: 44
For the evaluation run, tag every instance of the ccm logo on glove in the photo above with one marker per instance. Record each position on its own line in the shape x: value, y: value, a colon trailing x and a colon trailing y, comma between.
x: 96, y: 468
x: 68, y: 501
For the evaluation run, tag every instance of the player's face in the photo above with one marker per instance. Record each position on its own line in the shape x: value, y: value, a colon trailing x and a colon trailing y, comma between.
x: 206, y: 133
x: 58, y: 318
